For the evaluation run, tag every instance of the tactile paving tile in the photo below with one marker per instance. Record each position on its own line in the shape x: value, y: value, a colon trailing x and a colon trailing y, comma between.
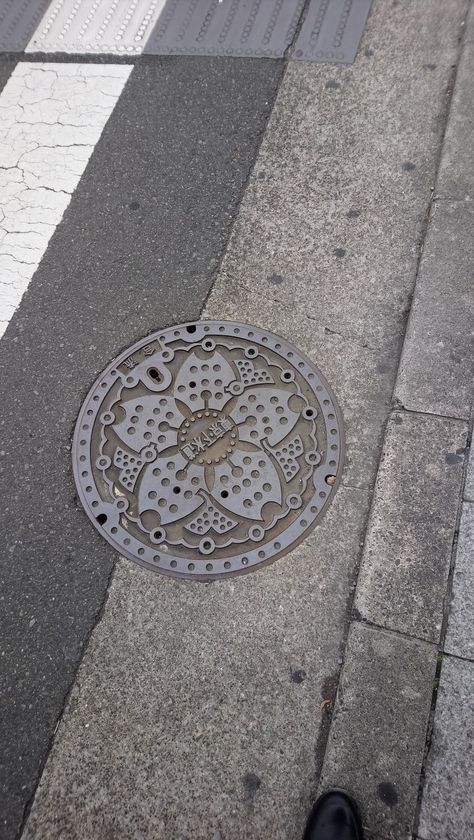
x: 251, y: 28
x: 18, y: 21
x: 96, y: 26
x: 331, y: 31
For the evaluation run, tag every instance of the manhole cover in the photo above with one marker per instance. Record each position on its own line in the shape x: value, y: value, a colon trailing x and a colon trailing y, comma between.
x: 208, y: 449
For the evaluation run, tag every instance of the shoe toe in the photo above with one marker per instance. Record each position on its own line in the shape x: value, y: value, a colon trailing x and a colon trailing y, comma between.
x: 334, y: 817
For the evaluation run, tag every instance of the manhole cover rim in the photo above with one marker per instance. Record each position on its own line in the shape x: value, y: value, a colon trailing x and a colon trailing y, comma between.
x: 200, y: 328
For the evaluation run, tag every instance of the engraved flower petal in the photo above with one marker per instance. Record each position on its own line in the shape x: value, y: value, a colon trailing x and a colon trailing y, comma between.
x: 210, y: 374
x: 148, y: 420
x: 245, y: 496
x: 264, y: 414
x: 164, y: 489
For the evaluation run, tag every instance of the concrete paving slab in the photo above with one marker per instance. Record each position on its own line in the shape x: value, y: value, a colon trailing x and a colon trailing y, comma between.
x: 334, y: 213
x: 375, y: 746
x: 196, y: 704
x: 456, y: 173
x: 408, y: 544
x: 437, y: 366
x: 459, y: 636
x: 447, y: 809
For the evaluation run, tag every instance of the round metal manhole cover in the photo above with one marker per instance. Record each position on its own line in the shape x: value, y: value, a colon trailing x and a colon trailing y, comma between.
x: 208, y: 449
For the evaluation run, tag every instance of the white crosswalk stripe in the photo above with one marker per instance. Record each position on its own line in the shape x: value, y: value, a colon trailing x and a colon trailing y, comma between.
x: 52, y: 115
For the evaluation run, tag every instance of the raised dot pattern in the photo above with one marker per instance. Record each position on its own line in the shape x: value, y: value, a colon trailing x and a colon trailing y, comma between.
x: 129, y: 466
x: 252, y: 376
x: 249, y: 482
x: 149, y: 420
x: 201, y: 380
x: 272, y: 419
x: 287, y: 455
x: 164, y: 488
x: 211, y: 518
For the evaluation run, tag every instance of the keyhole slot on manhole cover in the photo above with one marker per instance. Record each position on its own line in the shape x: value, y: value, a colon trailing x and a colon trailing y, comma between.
x: 154, y: 374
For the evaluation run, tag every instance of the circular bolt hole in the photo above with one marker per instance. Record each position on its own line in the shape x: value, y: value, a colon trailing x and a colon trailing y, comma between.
x: 191, y: 329
x: 176, y: 489
x: 101, y: 519
x: 158, y: 535
x: 192, y: 384
x: 225, y: 494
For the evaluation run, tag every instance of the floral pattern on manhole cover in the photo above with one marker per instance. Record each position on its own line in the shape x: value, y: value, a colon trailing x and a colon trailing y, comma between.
x: 208, y: 449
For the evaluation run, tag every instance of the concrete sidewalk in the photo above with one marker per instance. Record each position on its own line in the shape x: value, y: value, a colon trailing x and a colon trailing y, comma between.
x: 218, y: 711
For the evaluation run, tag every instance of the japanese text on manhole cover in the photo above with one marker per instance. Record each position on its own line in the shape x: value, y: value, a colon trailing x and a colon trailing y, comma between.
x: 208, y: 449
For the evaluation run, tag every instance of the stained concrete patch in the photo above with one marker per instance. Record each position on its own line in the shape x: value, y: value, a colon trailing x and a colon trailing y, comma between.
x: 408, y: 543
x: 375, y: 746
x: 447, y: 809
x: 460, y: 637
x: 437, y: 365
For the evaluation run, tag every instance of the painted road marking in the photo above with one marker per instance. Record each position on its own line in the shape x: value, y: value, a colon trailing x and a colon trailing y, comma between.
x: 52, y: 115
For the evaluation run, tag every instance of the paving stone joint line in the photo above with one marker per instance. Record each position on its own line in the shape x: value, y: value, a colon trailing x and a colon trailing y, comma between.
x: 441, y: 655
x: 397, y: 406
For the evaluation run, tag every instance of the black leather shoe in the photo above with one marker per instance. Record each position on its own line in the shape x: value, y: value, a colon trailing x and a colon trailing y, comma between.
x: 335, y: 816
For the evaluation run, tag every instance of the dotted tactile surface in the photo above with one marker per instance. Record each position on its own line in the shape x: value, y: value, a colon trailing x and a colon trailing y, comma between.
x: 331, y: 31
x: 167, y: 27
x: 208, y: 449
x: 118, y: 27
x: 18, y: 21
x: 256, y: 28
